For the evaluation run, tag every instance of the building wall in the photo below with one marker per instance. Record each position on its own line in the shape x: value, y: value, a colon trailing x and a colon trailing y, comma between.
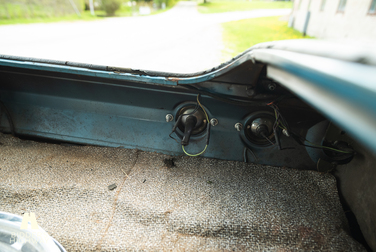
x: 354, y: 23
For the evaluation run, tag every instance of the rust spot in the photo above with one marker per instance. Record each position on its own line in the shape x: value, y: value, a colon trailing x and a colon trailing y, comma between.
x: 174, y: 79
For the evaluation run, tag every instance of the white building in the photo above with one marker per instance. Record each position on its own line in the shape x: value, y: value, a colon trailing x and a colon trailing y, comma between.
x: 336, y: 19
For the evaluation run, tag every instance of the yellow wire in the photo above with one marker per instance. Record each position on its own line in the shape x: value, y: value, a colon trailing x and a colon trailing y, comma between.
x: 194, y: 155
x: 199, y: 103
x: 279, y: 122
x: 315, y: 145
x: 207, y: 121
x: 329, y: 148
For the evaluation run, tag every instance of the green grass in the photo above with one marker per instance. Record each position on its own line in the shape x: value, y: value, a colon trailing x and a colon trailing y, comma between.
x: 18, y: 16
x: 216, y: 6
x: 86, y: 16
x: 161, y: 11
x: 240, y: 35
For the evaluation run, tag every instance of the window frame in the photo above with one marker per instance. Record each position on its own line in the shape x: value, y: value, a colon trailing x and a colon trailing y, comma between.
x: 373, y: 2
x: 322, y: 5
x: 342, y: 3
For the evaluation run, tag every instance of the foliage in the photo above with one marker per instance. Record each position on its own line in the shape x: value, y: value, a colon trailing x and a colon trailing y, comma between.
x: 26, y: 9
x: 240, y: 35
x: 85, y: 16
x: 169, y: 3
x: 216, y: 6
x: 34, y: 11
x: 110, y: 6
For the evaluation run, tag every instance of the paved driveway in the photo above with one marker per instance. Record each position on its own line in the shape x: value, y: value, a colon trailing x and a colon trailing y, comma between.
x: 179, y: 40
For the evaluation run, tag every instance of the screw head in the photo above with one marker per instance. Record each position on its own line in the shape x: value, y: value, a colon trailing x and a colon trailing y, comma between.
x: 169, y: 118
x: 272, y: 86
x: 213, y: 122
x: 250, y: 91
x: 238, y: 126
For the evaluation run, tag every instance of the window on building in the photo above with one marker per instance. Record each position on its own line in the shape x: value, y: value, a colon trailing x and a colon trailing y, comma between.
x: 322, y: 6
x: 372, y: 8
x: 342, y: 5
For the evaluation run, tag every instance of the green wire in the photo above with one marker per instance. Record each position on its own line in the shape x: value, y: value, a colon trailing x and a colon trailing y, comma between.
x: 329, y: 148
x: 207, y: 121
x: 194, y: 155
x: 199, y: 103
x: 280, y: 125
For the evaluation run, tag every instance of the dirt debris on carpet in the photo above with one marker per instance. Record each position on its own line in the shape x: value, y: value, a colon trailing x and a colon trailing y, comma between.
x: 188, y: 204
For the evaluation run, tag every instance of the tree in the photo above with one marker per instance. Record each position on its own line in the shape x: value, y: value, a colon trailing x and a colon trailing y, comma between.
x: 110, y: 6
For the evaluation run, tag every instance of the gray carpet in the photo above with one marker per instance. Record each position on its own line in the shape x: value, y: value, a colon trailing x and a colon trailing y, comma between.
x: 197, y: 205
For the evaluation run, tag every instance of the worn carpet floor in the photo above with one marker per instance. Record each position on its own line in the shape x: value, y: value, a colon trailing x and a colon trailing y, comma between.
x: 188, y: 204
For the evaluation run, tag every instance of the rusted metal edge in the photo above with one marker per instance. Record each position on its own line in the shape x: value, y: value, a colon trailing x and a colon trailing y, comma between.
x: 128, y: 74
